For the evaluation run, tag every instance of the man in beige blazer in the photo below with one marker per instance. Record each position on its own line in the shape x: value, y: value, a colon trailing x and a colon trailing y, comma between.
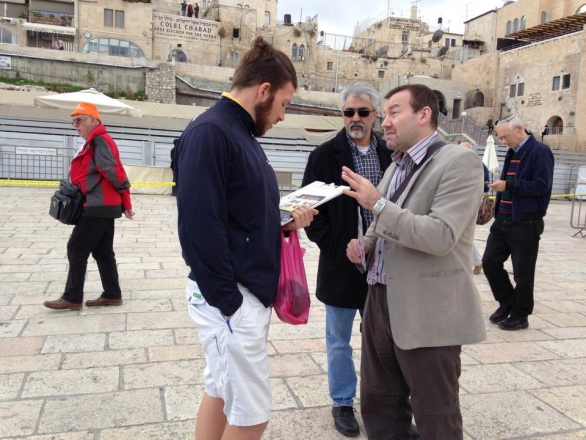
x: 422, y: 303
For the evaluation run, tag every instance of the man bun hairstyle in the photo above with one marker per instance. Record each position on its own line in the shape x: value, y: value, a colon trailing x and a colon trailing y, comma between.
x: 263, y: 63
x: 421, y: 96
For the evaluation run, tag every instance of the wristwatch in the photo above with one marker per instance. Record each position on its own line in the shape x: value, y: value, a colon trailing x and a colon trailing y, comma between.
x: 378, y: 206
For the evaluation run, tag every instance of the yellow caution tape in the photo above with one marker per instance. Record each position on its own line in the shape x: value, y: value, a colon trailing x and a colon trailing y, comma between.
x: 568, y: 195
x: 50, y: 183
x: 152, y: 184
x: 55, y: 183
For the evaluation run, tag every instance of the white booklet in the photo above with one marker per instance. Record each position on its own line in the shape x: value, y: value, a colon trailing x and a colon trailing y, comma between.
x: 312, y: 195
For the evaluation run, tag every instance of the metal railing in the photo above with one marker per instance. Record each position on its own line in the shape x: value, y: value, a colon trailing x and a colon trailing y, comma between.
x: 463, y: 125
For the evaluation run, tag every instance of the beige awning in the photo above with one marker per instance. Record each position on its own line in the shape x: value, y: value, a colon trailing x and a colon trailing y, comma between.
x: 59, y: 30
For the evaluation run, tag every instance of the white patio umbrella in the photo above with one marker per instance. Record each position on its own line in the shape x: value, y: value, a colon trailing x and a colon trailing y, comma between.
x: 489, y: 158
x: 104, y: 103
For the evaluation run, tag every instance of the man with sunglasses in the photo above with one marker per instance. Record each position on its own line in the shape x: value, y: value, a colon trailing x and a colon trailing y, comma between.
x: 340, y: 286
x: 97, y: 171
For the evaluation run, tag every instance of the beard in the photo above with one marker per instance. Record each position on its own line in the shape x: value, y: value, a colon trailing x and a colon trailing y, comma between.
x: 261, y: 116
x: 357, y: 134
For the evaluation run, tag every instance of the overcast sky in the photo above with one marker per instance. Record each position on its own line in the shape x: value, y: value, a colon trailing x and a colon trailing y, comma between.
x: 341, y: 16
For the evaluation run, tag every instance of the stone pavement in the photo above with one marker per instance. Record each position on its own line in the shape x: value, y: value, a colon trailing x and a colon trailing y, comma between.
x: 134, y: 372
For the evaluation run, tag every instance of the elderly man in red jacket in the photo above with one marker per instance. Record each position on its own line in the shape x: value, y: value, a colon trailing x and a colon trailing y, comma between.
x: 96, y: 169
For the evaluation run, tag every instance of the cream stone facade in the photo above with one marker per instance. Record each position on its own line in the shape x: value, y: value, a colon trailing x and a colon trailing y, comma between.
x: 540, y: 82
x: 223, y: 33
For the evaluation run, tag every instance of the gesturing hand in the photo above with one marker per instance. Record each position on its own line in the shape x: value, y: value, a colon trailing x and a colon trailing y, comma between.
x: 363, y: 190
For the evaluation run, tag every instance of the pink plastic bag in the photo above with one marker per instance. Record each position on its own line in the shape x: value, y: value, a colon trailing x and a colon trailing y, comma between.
x: 292, y: 301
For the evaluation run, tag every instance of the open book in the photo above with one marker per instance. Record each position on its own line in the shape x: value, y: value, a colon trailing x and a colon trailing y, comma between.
x: 312, y: 195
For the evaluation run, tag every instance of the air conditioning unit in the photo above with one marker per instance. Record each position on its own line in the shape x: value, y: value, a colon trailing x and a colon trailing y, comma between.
x: 302, y: 58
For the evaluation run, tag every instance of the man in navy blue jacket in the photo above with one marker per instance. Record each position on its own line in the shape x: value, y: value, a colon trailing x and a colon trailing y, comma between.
x: 229, y: 229
x: 523, y: 196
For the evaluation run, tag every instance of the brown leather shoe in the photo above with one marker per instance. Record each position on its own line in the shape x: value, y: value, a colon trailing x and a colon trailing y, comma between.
x: 99, y: 301
x: 61, y: 304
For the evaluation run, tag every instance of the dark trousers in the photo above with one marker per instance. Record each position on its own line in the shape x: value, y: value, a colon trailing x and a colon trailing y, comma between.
x: 95, y: 236
x: 520, y: 241
x: 390, y: 375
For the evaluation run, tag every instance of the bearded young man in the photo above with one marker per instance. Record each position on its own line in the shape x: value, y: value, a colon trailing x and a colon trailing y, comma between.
x: 229, y: 229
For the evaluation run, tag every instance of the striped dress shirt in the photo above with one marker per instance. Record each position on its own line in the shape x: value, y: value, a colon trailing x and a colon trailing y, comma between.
x: 405, y: 163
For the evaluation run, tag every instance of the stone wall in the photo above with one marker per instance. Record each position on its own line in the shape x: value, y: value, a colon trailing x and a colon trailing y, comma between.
x: 136, y: 27
x: 160, y: 84
x: 480, y: 74
x: 539, y: 103
x: 104, y: 73
x: 483, y: 29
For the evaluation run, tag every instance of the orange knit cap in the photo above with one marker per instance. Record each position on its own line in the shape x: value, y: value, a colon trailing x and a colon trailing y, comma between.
x: 85, y: 108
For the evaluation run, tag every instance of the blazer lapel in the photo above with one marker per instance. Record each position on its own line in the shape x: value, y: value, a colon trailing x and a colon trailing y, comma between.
x: 414, y: 178
x: 386, y: 181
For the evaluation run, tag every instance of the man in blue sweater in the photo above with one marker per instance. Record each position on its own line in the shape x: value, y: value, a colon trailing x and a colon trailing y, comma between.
x: 523, y: 196
x: 229, y: 229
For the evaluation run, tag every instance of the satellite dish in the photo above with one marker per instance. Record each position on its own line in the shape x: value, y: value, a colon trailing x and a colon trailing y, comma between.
x: 437, y: 35
x: 442, y: 52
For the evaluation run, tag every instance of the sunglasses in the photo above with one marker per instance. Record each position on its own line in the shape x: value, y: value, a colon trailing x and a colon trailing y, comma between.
x: 76, y: 121
x: 362, y: 112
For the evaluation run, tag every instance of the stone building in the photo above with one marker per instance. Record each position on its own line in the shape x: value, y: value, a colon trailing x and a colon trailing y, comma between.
x: 146, y: 31
x: 529, y: 64
x: 524, y: 58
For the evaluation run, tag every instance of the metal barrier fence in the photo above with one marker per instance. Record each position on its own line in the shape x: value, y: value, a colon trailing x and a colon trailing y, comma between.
x: 43, y: 150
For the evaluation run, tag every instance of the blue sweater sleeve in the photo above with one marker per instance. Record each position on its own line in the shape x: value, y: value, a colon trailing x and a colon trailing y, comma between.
x: 204, y: 156
x: 540, y: 180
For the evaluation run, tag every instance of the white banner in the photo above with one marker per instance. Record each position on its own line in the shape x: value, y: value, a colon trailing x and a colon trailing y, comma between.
x: 37, y: 151
x: 5, y: 63
x: 185, y: 28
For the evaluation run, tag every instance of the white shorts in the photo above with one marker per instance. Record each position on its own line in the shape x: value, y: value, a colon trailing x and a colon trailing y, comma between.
x: 237, y: 369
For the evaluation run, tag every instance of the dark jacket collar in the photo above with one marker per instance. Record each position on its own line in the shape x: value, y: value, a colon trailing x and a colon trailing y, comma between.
x: 238, y: 111
x: 344, y: 155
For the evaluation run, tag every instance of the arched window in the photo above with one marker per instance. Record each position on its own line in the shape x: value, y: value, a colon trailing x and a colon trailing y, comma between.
x: 523, y: 23
x: 478, y: 99
x: 581, y: 9
x: 179, y: 56
x: 113, y: 46
x: 557, y: 126
x: 543, y: 17
x: 294, y: 51
x: 515, y: 25
x: 267, y: 17
x: 301, y: 53
x: 508, y: 28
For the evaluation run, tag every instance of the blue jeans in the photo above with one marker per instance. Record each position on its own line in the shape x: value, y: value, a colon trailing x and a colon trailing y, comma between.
x: 341, y: 371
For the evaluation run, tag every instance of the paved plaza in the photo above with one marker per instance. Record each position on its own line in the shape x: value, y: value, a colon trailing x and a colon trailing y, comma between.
x: 135, y: 371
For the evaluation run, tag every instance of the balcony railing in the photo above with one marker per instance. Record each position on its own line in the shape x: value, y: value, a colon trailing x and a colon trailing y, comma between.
x: 52, y: 18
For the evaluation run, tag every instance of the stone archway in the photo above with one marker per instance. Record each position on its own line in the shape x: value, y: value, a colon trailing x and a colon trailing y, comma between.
x: 555, y: 125
x: 478, y: 100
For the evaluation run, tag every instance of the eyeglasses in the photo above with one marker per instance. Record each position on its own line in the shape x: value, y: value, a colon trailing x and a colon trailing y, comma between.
x: 362, y: 112
x: 76, y: 121
x: 505, y: 137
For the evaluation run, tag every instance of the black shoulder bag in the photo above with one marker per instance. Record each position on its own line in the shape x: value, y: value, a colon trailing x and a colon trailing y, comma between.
x: 66, y: 203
